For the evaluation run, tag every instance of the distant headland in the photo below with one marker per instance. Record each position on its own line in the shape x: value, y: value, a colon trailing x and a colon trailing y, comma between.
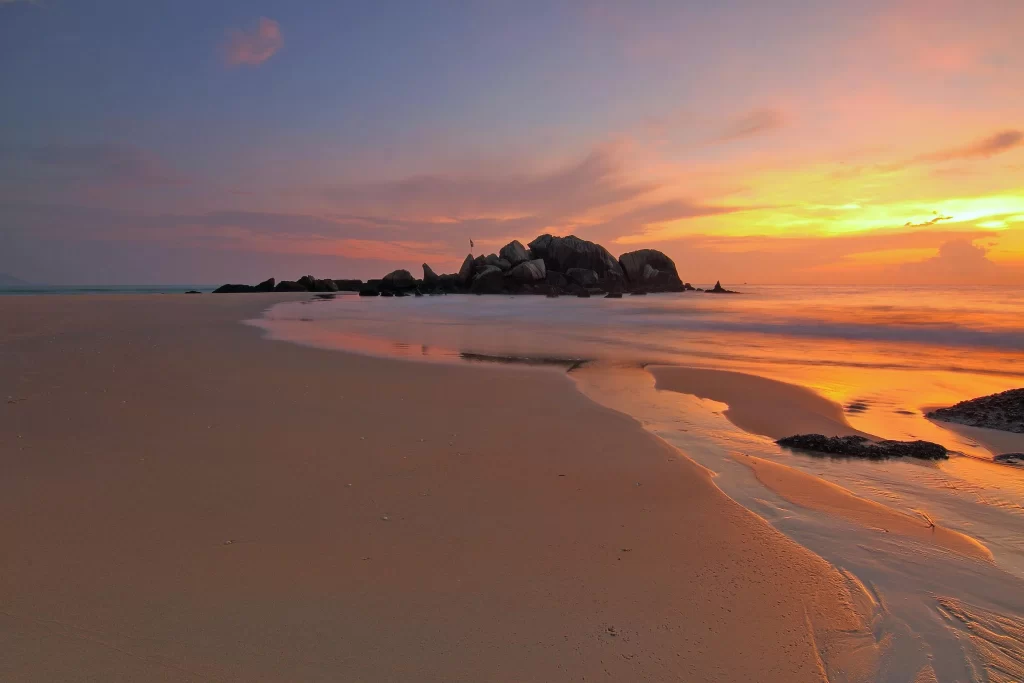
x: 548, y: 265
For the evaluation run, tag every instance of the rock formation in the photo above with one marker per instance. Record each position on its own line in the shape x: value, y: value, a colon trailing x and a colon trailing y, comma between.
x: 1003, y: 411
x: 860, y: 447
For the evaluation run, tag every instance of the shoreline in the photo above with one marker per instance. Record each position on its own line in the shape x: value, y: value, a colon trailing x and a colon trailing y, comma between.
x: 201, y: 478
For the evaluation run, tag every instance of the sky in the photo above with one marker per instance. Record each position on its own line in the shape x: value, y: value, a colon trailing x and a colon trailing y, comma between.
x: 768, y: 141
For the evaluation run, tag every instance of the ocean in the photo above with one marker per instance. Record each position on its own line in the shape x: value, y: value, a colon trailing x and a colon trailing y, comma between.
x: 102, y: 289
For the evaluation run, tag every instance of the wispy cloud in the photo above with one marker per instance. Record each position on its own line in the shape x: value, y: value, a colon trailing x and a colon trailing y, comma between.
x: 751, y: 124
x: 110, y: 162
x: 253, y: 45
x: 593, y: 182
x: 934, y: 220
x: 997, y: 143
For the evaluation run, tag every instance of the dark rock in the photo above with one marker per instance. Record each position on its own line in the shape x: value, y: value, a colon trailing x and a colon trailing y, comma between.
x: 515, y: 253
x: 556, y: 279
x: 466, y: 271
x: 448, y: 283
x: 552, y: 292
x: 493, y: 260
x: 234, y: 289
x: 324, y: 286
x: 1003, y: 411
x: 398, y: 281
x: 638, y: 292
x: 430, y: 278
x: 399, y: 292
x: 479, y: 262
x: 387, y: 292
x: 563, y: 253
x: 308, y: 282
x: 613, y: 295
x: 528, y: 272
x: 193, y: 291
x: 1009, y: 459
x: 583, y: 293
x: 349, y: 285
x: 504, y: 264
x: 719, y: 289
x: 289, y: 286
x: 369, y: 290
x: 489, y: 280
x: 860, y: 447
x: 584, y: 277
x: 666, y: 278
x: 265, y: 286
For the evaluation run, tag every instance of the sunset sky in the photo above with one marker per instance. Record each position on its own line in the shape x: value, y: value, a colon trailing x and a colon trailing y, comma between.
x: 772, y: 141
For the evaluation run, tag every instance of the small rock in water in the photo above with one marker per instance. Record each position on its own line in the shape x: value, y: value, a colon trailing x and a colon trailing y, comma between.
x: 1010, y: 459
x: 860, y: 447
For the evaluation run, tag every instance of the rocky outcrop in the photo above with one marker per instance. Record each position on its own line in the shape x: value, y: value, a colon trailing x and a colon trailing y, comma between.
x: 719, y: 289
x: 528, y: 272
x: 860, y: 447
x: 515, y: 253
x: 1003, y: 411
x: 430, y: 278
x: 308, y: 282
x: 562, y: 253
x: 289, y: 286
x: 349, y: 285
x: 324, y: 286
x: 661, y: 276
x: 265, y: 286
x: 488, y: 280
x: 1010, y: 459
x: 466, y: 271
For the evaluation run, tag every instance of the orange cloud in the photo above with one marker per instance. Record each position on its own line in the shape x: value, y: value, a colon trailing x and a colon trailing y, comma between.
x: 982, y: 149
x: 255, y: 45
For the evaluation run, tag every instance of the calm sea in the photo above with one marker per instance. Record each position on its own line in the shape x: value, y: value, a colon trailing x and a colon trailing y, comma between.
x: 103, y: 289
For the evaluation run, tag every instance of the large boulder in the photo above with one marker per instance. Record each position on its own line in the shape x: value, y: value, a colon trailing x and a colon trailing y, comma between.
x: 308, y: 282
x: 289, y: 286
x: 265, y: 286
x: 635, y: 263
x: 430, y: 278
x: 492, y: 260
x: 466, y: 271
x: 398, y: 281
x: 528, y: 272
x: 584, y: 277
x: 563, y: 253
x: 489, y: 280
x: 514, y: 252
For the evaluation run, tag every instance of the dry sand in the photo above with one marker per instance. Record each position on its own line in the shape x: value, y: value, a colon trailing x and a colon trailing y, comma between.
x: 757, y: 404
x: 182, y: 500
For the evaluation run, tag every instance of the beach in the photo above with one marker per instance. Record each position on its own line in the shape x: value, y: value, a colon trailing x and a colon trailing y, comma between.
x: 185, y: 500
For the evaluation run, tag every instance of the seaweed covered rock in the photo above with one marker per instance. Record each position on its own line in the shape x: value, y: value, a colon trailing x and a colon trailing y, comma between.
x: 861, y: 447
x: 1003, y: 411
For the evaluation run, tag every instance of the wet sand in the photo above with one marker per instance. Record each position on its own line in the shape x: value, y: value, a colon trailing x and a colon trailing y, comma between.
x: 183, y: 500
x: 757, y: 404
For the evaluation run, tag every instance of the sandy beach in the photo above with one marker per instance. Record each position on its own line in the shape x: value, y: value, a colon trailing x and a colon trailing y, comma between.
x: 186, y: 501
